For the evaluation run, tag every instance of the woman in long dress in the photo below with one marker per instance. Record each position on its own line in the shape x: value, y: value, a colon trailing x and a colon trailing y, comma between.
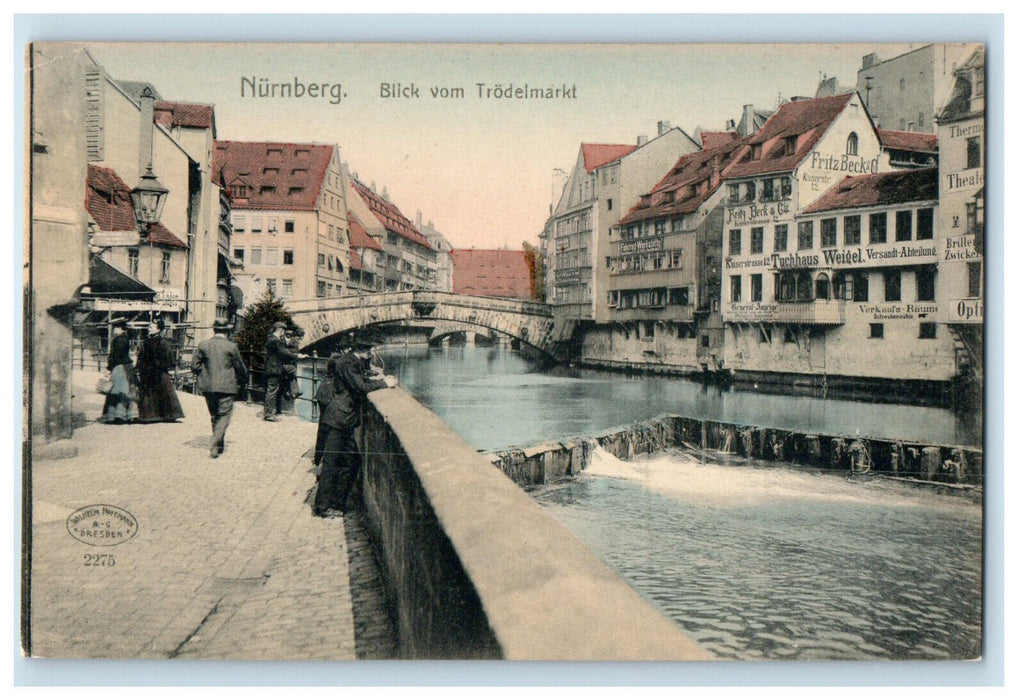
x: 120, y: 406
x: 157, y: 398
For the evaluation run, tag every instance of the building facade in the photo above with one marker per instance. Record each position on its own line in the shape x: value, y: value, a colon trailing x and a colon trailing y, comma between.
x: 290, y: 227
x: 601, y: 188
x: 443, y: 249
x: 961, y: 229
x: 904, y: 93
x: 491, y: 273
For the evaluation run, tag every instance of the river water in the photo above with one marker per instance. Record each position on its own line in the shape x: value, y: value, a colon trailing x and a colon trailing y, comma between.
x: 753, y: 561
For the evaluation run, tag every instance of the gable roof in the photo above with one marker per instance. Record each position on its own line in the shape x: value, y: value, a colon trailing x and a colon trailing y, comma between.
x: 196, y: 116
x: 599, y: 154
x: 693, y: 179
x: 908, y: 141
x: 389, y: 215
x: 276, y: 175
x: 358, y: 236
x: 807, y: 118
x: 108, y: 202
x: 882, y: 189
x: 494, y: 273
x: 959, y: 104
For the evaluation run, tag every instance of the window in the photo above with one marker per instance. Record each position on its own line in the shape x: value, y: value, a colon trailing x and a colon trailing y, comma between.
x: 785, y: 188
x: 852, y: 144
x: 974, y: 279
x: 239, y: 254
x: 272, y: 257
x: 165, y: 267
x: 734, y: 193
x: 704, y: 341
x: 780, y: 244
x: 805, y: 235
x: 924, y: 224
x: 860, y: 286
x: 791, y: 145
x: 267, y: 189
x: 286, y: 289
x: 679, y: 296
x: 789, y: 334
x: 289, y: 226
x: 649, y: 329
x: 768, y: 189
x: 735, y: 288
x: 321, y: 260
x: 765, y: 334
x: 974, y: 153
x: 734, y: 241
x: 877, y: 228
x: 925, y: 285
x: 321, y: 288
x: 904, y: 225
x: 852, y: 230
x: 749, y: 191
x: 891, y: 285
x: 827, y: 233
x: 822, y: 286
x: 757, y: 236
x: 257, y: 225
x: 287, y: 257
x: 238, y: 223
x: 875, y: 330
x: 756, y: 287
x: 608, y: 204
x: 272, y: 286
x: 927, y: 331
x: 256, y: 256
x: 133, y: 262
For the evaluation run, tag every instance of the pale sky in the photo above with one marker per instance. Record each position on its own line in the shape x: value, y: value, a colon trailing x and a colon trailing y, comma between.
x: 480, y: 168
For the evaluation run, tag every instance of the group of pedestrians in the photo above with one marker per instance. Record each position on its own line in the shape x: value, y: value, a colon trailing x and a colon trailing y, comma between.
x: 221, y: 374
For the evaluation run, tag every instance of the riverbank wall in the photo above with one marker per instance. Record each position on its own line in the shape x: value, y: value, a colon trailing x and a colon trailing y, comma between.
x: 953, y: 465
x: 474, y: 567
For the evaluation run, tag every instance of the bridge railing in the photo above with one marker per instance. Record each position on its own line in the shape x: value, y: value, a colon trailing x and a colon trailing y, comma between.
x: 359, y: 301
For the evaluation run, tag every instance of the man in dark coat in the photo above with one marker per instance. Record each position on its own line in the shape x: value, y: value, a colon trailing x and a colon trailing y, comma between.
x: 278, y: 355
x: 220, y: 372
x: 340, y: 397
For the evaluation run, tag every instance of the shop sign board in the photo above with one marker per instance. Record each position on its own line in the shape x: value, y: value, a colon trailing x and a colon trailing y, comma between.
x: 965, y: 311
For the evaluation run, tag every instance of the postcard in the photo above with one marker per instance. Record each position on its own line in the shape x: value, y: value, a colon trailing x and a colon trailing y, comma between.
x: 571, y: 352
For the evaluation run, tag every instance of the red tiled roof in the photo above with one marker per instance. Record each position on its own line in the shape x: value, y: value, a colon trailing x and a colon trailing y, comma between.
x: 806, y: 119
x: 108, y: 202
x: 712, y: 139
x: 358, y: 236
x: 599, y: 154
x: 183, y: 114
x: 277, y: 175
x: 691, y: 181
x: 389, y: 215
x: 879, y: 190
x: 491, y: 273
x: 354, y: 260
x: 908, y: 141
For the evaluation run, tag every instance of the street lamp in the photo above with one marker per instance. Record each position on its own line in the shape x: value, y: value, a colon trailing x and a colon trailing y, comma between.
x: 148, y: 199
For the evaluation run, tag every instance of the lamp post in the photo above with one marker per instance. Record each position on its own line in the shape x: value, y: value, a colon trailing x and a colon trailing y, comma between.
x: 148, y: 200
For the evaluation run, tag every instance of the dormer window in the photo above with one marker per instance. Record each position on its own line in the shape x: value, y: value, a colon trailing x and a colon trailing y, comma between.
x: 852, y: 144
x: 791, y: 145
x: 756, y: 152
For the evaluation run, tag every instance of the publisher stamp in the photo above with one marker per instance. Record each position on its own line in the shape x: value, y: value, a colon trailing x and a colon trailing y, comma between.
x: 102, y: 525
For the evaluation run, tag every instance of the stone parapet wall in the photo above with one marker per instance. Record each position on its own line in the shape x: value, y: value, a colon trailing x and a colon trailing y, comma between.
x: 476, y: 568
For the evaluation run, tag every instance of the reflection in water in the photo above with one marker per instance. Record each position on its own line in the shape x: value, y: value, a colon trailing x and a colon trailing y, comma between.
x: 769, y: 562
x: 494, y: 399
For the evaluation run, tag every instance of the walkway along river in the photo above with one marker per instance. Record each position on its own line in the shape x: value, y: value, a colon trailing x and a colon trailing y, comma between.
x: 753, y: 561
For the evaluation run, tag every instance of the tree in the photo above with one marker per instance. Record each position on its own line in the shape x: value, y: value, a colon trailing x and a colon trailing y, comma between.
x: 256, y: 326
x: 536, y: 267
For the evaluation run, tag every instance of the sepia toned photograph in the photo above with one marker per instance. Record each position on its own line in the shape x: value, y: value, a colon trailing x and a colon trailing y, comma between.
x: 495, y: 351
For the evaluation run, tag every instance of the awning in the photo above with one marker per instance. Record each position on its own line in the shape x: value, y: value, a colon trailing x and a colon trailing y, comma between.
x: 107, y: 281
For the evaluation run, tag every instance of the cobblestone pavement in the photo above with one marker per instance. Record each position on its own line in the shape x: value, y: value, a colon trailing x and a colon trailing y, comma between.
x: 228, y: 561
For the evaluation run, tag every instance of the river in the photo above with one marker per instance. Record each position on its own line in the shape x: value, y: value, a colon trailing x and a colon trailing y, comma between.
x: 753, y: 561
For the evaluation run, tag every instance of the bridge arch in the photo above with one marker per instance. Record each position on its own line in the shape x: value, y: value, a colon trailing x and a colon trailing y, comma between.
x: 530, y: 322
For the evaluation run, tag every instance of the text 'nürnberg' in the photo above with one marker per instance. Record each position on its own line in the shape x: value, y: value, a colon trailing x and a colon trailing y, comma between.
x: 483, y: 91
x: 253, y: 86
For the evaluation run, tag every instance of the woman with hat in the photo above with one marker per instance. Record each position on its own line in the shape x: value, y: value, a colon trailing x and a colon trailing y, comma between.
x: 120, y: 404
x: 157, y: 398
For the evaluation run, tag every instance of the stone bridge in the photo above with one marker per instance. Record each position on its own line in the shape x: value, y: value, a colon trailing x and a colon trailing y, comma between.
x: 529, y: 322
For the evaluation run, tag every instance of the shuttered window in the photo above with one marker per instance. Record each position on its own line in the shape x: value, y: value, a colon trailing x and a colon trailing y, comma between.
x: 94, y: 114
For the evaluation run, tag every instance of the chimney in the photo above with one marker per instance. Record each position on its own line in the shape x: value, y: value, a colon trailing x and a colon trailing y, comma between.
x: 641, y: 140
x: 663, y: 127
x: 147, y: 100
x: 419, y: 219
x: 373, y: 186
x: 869, y: 60
x: 747, y: 121
x: 384, y: 194
x: 716, y: 178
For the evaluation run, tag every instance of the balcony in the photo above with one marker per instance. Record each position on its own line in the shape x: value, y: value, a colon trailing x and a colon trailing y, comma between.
x: 820, y: 312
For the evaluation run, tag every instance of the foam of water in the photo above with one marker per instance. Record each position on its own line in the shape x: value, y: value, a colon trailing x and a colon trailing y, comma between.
x: 685, y: 479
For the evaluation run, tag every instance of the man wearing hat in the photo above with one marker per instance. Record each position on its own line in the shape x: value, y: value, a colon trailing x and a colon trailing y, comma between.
x: 340, y: 398
x: 220, y: 372
x: 278, y: 355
